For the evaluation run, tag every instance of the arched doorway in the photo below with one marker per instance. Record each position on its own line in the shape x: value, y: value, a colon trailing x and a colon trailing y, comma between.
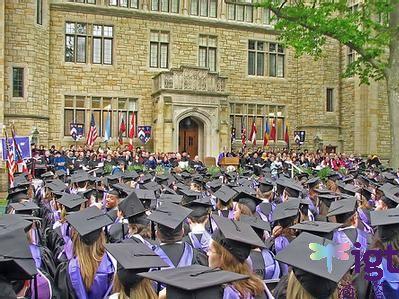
x: 189, y: 136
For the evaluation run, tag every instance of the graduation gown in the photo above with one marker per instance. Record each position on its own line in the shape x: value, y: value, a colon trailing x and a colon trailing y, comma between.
x: 264, y: 264
x: 71, y: 286
x: 199, y: 241
x: 180, y: 254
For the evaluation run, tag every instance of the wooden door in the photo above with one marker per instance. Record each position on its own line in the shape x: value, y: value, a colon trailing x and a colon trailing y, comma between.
x: 188, y: 140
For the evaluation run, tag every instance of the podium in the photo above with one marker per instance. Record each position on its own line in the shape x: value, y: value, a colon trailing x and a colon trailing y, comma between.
x: 230, y: 161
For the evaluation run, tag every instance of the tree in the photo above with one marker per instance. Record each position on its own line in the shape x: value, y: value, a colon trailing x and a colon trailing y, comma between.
x: 370, y: 28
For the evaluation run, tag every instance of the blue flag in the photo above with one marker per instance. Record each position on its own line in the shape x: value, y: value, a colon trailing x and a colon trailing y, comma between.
x: 107, y: 133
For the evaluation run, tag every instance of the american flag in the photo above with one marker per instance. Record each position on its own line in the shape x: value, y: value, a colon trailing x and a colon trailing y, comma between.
x: 10, y: 163
x: 21, y: 165
x: 132, y: 127
x: 92, y: 135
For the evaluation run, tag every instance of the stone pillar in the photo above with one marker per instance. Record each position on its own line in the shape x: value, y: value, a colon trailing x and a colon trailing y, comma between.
x: 167, y: 124
x: 224, y: 126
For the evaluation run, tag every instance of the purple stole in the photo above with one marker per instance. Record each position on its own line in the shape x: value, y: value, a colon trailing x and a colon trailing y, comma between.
x: 185, y: 260
x: 68, y: 245
x: 103, y: 281
x: 230, y: 216
x: 137, y: 236
x: 366, y: 222
x: 271, y: 266
x: 279, y: 244
x: 43, y: 284
x: 202, y: 244
x: 388, y: 286
x: 341, y: 237
x: 261, y: 215
x: 230, y: 292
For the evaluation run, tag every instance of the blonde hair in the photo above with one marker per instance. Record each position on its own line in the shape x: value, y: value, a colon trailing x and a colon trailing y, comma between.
x: 253, y: 285
x: 296, y: 291
x: 143, y: 289
x: 89, y: 257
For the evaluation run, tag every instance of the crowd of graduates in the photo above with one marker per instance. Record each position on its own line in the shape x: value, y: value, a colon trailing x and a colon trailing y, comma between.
x: 77, y: 228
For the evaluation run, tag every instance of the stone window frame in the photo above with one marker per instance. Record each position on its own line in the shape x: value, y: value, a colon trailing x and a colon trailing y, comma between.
x: 267, y: 58
x: 268, y: 112
x: 102, y: 39
x: 124, y: 3
x: 25, y: 81
x: 208, y: 47
x: 39, y: 12
x: 199, y: 4
x: 84, y: 1
x: 159, y: 43
x: 76, y: 36
x: 101, y: 112
x: 235, y: 7
x: 159, y: 6
x: 330, y: 106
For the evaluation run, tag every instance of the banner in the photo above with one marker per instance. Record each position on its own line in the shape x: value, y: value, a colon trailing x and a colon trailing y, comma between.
x: 144, y: 133
x: 23, y: 144
x: 299, y: 137
x: 77, y: 130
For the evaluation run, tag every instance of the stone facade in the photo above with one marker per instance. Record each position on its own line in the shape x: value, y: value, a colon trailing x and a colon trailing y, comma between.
x: 359, y: 122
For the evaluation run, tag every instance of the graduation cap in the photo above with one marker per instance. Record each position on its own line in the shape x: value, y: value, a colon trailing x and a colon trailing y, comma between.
x: 271, y: 283
x: 80, y: 177
x: 71, y: 201
x: 348, y: 179
x: 245, y: 189
x: 256, y: 222
x: 318, y: 228
x: 60, y: 173
x: 173, y: 198
x: 225, y: 194
x: 245, y: 182
x: 56, y: 185
x: 200, y: 206
x: 313, y: 275
x: 130, y: 175
x: 334, y: 176
x: 24, y: 207
x: 88, y: 223
x: 293, y: 188
x: 387, y: 222
x: 189, y: 195
x: 46, y: 175
x: 11, y: 222
x: 145, y: 195
x: 328, y: 198
x: 123, y: 189
x: 168, y: 190
x: 248, y: 200
x: 348, y: 188
x: 367, y: 192
x: 17, y: 195
x: 313, y: 182
x: 131, y: 206
x: 237, y: 237
x: 265, y: 185
x: 154, y: 186
x: 265, y: 207
x: 181, y: 186
x: 194, y: 281
x: 343, y: 206
x: 16, y: 261
x: 286, y: 210
x: 214, y: 185
x: 169, y: 215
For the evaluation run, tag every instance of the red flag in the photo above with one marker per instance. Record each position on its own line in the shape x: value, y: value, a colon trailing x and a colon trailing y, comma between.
x: 132, y: 127
x: 122, y: 129
x: 287, y: 136
x: 243, y: 136
x: 21, y: 165
x: 252, y: 136
x: 273, y: 131
x: 266, y: 135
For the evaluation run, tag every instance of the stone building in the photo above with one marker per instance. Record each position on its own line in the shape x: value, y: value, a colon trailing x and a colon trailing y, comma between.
x: 193, y: 70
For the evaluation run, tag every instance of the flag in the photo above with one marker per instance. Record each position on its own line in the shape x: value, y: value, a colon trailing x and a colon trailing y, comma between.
x: 132, y: 127
x: 21, y: 165
x: 252, y: 135
x: 287, y: 136
x: 10, y: 163
x: 233, y: 135
x: 107, y: 133
x: 267, y: 132
x: 92, y: 135
x: 122, y: 130
x: 273, y: 134
x: 243, y: 136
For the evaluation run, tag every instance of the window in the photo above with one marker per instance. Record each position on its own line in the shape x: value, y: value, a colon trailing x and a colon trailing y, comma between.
x: 39, y: 12
x: 351, y: 56
x: 18, y: 82
x: 204, y: 8
x: 207, y: 52
x: 256, y: 58
x: 276, y: 60
x: 102, y: 44
x: 244, y: 114
x: 159, y: 49
x: 79, y: 109
x: 268, y: 17
x: 330, y: 100
x: 124, y: 3
x: 240, y: 11
x: 75, y: 42
x: 165, y: 5
x: 84, y: 1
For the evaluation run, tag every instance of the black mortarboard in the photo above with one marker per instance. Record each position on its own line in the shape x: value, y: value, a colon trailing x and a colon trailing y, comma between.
x: 265, y: 208
x: 287, y: 209
x: 130, y: 175
x: 313, y: 182
x: 248, y: 200
x: 17, y: 195
x: 123, y: 189
x: 334, y: 176
x: 189, y: 195
x: 322, y: 191
x: 145, y: 178
x: 318, y: 228
x: 200, y: 206
x: 80, y: 177
x: 328, y: 198
x: 48, y: 174
x: 131, y: 206
x: 342, y: 206
x: 265, y: 185
x: 348, y: 179
x: 392, y: 197
x: 56, y: 185
x: 154, y: 186
x: 293, y: 188
x: 236, y: 236
x: 193, y: 281
x: 60, y: 173
x: 186, y: 175
x: 256, y: 222
x: 313, y: 275
x: 173, y: 198
x: 244, y: 182
x: 167, y: 190
x: 145, y: 195
x: 24, y: 207
x: 181, y: 186
x: 169, y: 215
x: 367, y: 192
x: 115, y: 192
x: 71, y: 201
x: 348, y: 189
x: 10, y: 222
x: 225, y: 194
x: 387, y: 222
x: 16, y: 261
x: 244, y: 189
x: 88, y: 223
